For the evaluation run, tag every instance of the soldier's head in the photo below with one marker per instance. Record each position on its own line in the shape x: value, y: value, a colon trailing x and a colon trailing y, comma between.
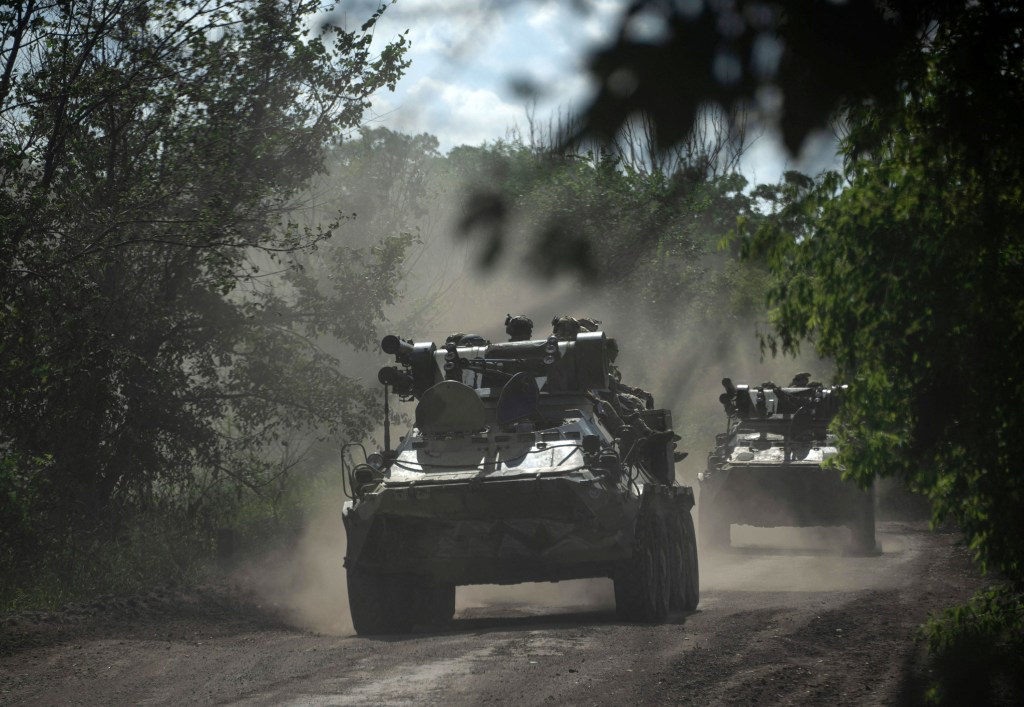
x: 612, y: 347
x: 565, y: 328
x: 518, y: 327
x: 589, y: 324
x: 801, y: 380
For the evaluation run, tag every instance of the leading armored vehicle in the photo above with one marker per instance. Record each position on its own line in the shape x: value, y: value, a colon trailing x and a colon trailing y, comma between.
x: 527, y: 461
x: 767, y: 469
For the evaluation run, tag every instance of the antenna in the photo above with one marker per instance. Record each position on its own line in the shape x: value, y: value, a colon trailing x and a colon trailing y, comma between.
x: 387, y: 421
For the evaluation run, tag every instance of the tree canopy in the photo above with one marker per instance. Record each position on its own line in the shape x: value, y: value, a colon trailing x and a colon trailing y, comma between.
x: 908, y: 270
x: 151, y: 153
x: 791, y: 64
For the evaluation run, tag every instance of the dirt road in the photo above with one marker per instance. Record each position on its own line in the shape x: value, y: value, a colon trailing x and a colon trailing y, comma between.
x: 783, y: 619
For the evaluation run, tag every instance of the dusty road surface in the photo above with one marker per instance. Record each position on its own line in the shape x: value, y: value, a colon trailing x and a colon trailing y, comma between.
x: 783, y: 619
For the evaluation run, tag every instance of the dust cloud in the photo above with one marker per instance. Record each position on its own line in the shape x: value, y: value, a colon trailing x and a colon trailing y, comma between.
x: 674, y: 352
x: 797, y: 560
x: 305, y: 581
x: 683, y: 371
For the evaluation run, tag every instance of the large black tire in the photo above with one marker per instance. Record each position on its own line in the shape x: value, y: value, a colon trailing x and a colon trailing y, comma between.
x: 435, y: 604
x: 642, y: 583
x: 862, y: 527
x: 685, y: 590
x: 714, y: 526
x: 691, y: 577
x: 665, y: 579
x: 678, y: 568
x: 379, y: 603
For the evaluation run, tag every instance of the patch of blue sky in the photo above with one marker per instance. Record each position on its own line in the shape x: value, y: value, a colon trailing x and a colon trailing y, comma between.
x: 467, y: 59
x: 467, y: 56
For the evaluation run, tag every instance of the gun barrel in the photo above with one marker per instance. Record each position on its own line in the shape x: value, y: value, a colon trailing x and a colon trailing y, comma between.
x: 391, y: 344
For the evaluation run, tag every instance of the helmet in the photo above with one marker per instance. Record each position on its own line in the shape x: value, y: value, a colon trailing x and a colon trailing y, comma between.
x: 518, y: 327
x: 565, y: 328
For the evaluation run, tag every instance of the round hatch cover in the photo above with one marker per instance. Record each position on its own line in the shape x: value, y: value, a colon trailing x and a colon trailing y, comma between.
x: 450, y: 406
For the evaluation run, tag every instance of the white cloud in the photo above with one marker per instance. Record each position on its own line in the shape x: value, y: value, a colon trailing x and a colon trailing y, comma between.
x: 545, y: 17
x: 463, y: 62
x: 456, y: 114
x: 600, y: 23
x: 767, y: 158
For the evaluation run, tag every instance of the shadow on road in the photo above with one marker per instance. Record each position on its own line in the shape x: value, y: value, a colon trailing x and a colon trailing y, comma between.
x: 510, y: 618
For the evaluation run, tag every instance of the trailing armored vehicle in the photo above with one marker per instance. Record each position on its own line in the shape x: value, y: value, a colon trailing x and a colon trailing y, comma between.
x: 767, y: 469
x: 528, y: 461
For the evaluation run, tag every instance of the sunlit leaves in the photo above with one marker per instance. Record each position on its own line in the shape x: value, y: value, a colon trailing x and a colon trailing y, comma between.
x: 908, y: 274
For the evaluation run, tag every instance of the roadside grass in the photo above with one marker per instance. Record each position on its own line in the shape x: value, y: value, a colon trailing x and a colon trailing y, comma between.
x: 153, y: 548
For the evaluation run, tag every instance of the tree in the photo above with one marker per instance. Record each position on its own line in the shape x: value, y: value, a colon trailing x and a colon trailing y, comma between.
x: 627, y: 214
x: 150, y: 154
x: 792, y: 63
x: 392, y: 181
x: 908, y: 270
x: 786, y: 65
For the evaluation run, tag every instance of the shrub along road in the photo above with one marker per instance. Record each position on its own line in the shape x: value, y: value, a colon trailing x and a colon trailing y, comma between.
x: 780, y: 621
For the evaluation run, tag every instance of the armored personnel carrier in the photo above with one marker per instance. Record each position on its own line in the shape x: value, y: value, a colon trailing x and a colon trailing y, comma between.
x: 767, y: 469
x: 526, y: 462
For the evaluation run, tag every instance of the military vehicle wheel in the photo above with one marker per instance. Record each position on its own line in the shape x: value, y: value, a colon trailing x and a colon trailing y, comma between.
x: 862, y: 528
x: 379, y: 603
x: 435, y: 605
x: 664, y: 575
x: 714, y: 527
x: 691, y: 577
x: 679, y: 566
x: 642, y: 582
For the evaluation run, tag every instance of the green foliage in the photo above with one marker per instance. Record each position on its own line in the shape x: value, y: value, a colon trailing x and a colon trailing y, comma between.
x: 151, y: 156
x: 978, y: 649
x: 389, y: 178
x: 908, y: 273
x: 794, y: 62
x: 149, y: 549
x: 632, y: 225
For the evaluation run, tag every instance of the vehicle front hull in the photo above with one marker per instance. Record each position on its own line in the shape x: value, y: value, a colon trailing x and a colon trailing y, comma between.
x: 798, y: 495
x: 493, y: 531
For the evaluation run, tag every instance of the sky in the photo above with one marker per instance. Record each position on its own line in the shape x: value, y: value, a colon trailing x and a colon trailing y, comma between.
x: 467, y: 56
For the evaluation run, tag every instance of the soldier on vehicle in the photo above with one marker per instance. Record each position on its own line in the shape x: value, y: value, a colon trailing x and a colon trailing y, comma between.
x: 801, y: 380
x: 619, y: 408
x: 518, y: 327
x: 566, y: 328
x: 636, y: 398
